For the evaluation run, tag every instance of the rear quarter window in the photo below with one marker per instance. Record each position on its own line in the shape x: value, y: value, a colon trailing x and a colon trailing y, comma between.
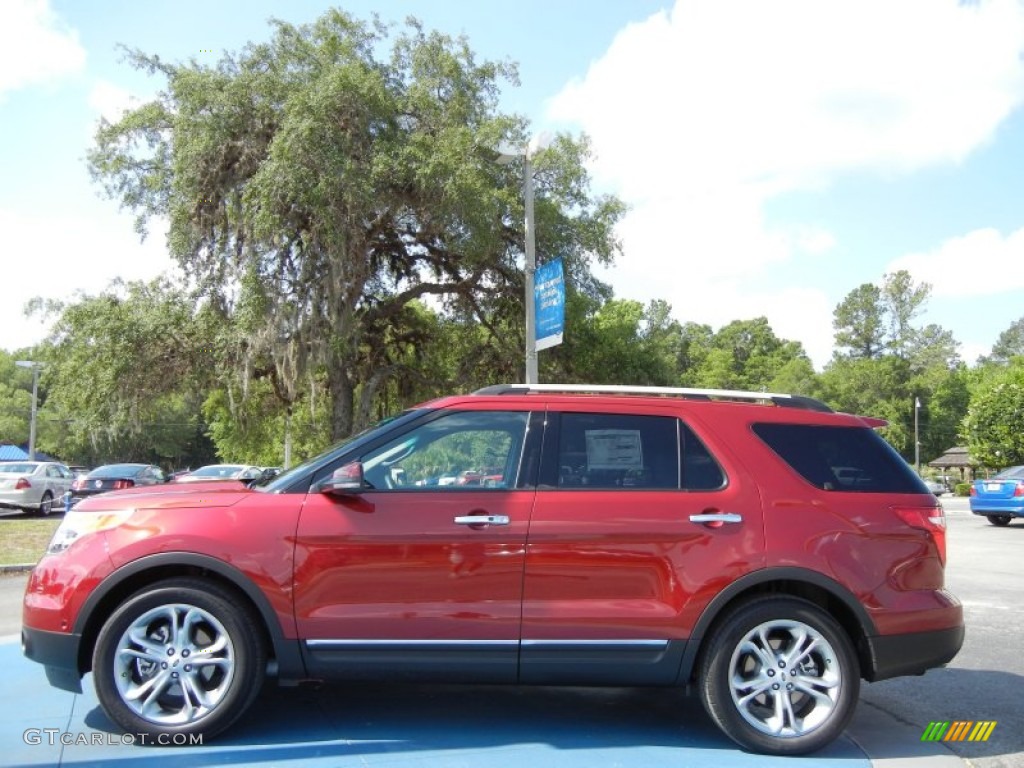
x: 835, y: 458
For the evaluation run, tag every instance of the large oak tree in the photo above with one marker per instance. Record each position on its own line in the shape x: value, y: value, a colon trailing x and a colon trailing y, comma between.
x: 319, y: 184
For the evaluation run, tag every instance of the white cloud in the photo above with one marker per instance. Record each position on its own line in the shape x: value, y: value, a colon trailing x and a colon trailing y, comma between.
x: 35, y: 47
x: 995, y: 264
x: 700, y: 115
x: 110, y: 101
x: 78, y: 253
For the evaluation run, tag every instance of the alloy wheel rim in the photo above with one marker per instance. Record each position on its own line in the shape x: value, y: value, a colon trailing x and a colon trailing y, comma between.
x: 785, y: 679
x: 174, y: 664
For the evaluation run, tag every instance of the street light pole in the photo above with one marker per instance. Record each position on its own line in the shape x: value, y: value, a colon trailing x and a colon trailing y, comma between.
x: 917, y: 442
x: 531, y: 271
x: 506, y: 153
x: 35, y: 403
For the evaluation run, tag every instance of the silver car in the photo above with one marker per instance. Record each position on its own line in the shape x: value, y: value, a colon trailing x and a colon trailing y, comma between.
x: 33, y: 486
x: 244, y: 472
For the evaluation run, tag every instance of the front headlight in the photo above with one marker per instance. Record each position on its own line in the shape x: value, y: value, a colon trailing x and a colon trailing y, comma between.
x: 75, y: 525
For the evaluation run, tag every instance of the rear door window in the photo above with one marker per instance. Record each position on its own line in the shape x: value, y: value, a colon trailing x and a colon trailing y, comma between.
x: 629, y: 451
x: 638, y: 451
x: 841, y: 458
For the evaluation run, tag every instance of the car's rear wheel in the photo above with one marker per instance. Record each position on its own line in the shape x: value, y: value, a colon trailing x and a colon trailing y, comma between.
x: 999, y: 520
x: 779, y: 676
x: 182, y: 657
x: 46, y: 504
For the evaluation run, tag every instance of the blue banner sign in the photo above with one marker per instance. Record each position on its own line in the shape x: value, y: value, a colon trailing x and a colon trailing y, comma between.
x: 549, y: 303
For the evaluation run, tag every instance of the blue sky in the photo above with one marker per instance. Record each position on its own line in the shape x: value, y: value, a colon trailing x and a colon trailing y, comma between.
x: 774, y: 155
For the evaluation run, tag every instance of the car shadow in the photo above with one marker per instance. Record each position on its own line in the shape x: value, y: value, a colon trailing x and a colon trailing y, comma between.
x: 470, y: 725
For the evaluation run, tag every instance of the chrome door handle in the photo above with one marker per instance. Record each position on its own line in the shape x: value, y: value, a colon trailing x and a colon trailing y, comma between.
x: 482, y: 520
x: 720, y: 517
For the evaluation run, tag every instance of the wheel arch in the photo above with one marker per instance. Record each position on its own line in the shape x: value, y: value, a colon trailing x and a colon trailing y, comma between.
x: 129, y: 579
x: 826, y: 593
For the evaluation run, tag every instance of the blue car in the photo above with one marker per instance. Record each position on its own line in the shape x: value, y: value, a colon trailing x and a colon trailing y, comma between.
x: 999, y: 498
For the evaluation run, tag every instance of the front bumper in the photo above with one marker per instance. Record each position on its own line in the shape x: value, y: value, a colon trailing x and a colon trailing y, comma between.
x: 58, y: 653
x: 17, y: 500
x: 912, y: 654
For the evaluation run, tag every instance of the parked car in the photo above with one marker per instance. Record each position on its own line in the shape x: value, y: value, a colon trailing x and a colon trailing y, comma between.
x: 640, y: 536
x: 33, y: 486
x: 115, y: 477
x: 935, y: 486
x: 1000, y: 498
x: 244, y: 472
x: 269, y: 473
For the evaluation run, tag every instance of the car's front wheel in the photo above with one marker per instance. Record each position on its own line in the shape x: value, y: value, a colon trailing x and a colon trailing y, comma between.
x: 46, y: 504
x: 779, y: 676
x: 999, y: 520
x: 182, y: 657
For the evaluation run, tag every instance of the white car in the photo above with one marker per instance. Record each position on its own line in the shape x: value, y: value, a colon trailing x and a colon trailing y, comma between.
x: 33, y: 486
x: 243, y: 472
x: 935, y: 486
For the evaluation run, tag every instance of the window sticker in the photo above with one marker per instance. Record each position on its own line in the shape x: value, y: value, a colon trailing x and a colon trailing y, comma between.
x: 614, y: 449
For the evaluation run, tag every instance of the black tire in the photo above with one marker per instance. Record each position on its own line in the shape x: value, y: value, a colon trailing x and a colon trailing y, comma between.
x: 830, y: 669
x: 46, y: 504
x: 999, y: 520
x: 207, y: 616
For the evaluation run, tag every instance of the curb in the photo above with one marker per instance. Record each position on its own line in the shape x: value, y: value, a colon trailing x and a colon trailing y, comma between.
x: 16, y: 568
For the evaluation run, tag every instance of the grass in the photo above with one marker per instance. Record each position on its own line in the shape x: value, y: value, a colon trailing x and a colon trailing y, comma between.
x: 24, y: 541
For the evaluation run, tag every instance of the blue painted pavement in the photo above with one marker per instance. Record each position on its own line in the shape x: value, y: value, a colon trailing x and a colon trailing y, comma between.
x: 385, y: 726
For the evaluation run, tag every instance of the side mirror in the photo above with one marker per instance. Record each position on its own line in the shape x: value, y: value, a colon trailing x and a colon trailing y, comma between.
x: 347, y: 480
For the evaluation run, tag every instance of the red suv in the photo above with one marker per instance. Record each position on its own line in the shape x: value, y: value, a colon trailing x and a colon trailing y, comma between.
x: 761, y: 548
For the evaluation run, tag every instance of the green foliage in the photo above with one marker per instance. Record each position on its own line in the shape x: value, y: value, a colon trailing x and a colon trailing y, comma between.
x: 332, y: 177
x: 992, y: 426
x: 745, y: 354
x: 962, y: 489
x: 15, y: 400
x: 1009, y: 344
x: 901, y: 302
x: 484, y: 451
x: 859, y: 323
x: 872, y: 322
x: 123, y: 376
x: 615, y: 342
x: 883, y: 364
x: 252, y: 427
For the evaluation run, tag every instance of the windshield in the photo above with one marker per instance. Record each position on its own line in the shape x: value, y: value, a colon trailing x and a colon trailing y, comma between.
x: 286, y: 478
x: 217, y: 470
x: 117, y: 470
x: 21, y: 469
x: 1010, y: 473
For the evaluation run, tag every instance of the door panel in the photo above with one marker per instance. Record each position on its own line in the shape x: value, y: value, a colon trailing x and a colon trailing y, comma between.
x: 399, y: 577
x: 622, y: 568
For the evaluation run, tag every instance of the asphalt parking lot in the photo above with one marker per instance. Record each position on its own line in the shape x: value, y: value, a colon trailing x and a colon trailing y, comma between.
x: 478, y: 727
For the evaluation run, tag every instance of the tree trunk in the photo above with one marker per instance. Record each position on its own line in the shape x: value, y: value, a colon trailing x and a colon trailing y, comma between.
x: 340, y: 392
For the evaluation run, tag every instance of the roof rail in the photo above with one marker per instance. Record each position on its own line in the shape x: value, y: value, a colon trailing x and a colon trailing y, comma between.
x: 786, y: 401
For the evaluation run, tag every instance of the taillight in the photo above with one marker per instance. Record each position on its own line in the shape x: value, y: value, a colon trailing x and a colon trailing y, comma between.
x: 974, y: 491
x: 931, y: 519
x: 22, y: 484
x: 78, y: 484
x: 1019, y: 490
x: 120, y: 485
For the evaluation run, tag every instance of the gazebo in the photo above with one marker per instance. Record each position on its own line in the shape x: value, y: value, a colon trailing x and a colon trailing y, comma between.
x: 955, y: 458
